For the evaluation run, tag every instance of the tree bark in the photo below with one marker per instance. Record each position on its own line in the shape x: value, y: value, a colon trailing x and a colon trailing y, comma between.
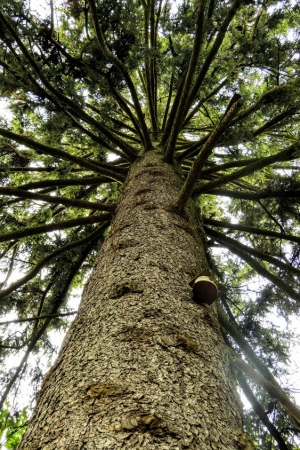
x: 143, y: 365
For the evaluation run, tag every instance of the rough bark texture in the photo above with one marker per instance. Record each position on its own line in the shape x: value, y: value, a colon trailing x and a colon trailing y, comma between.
x: 143, y: 366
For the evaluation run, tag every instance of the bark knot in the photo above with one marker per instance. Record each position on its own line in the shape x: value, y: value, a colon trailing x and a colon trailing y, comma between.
x: 149, y: 422
x: 126, y: 288
x: 106, y: 390
x: 187, y: 343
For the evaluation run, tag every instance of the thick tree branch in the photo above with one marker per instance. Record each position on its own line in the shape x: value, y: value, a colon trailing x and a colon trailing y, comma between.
x: 258, y: 195
x: 116, y: 62
x: 181, y: 108
x: 213, y: 52
x: 191, y: 149
x: 32, y: 319
x: 82, y: 181
x: 269, y: 95
x: 171, y: 117
x: 229, y: 165
x: 38, y: 169
x: 10, y: 269
x: 289, y: 112
x: 257, y: 266
x: 124, y: 106
x: 149, y: 46
x: 270, y: 215
x: 251, y: 230
x: 44, y: 149
x: 58, y: 200
x: 18, y: 200
x: 245, y: 347
x: 272, y: 390
x: 97, y: 139
x: 201, y: 102
x: 61, y: 97
x: 204, y: 154
x: 290, y: 153
x: 57, y: 301
x: 253, y: 251
x: 168, y: 103
x: 258, y: 409
x: 31, y: 231
x: 96, y: 233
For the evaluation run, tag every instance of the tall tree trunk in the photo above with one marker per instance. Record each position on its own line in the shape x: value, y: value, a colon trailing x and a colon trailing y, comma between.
x: 143, y: 365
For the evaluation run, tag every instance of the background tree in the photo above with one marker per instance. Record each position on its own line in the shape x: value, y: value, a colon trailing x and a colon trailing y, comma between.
x: 92, y: 87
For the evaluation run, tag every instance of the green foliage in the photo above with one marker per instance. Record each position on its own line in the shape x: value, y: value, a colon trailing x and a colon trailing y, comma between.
x: 90, y: 86
x: 12, y: 427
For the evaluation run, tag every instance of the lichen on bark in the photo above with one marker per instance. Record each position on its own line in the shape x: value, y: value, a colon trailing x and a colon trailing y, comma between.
x: 143, y: 365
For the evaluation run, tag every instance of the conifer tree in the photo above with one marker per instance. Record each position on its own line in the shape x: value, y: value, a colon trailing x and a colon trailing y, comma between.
x: 151, y: 147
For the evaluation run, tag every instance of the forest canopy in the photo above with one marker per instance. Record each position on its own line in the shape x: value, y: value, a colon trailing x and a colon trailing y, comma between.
x: 90, y: 86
